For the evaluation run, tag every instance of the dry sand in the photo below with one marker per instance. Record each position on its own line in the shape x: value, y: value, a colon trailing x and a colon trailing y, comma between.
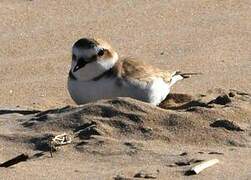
x: 212, y: 37
x: 122, y: 137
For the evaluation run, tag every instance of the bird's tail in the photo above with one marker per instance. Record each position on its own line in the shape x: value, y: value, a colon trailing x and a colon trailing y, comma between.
x: 176, y: 76
x: 186, y: 75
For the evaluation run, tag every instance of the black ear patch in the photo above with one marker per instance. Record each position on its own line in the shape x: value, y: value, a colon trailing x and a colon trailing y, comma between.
x: 84, y: 43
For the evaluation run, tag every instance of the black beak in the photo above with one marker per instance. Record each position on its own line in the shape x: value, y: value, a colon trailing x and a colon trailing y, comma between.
x: 81, y: 63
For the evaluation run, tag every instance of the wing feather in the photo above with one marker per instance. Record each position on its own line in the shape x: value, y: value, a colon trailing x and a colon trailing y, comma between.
x: 134, y: 69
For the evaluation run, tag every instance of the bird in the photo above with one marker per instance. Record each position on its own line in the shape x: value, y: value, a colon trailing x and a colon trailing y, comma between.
x: 97, y: 72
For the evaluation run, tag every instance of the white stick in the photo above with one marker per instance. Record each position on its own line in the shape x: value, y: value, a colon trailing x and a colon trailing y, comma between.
x: 198, y: 168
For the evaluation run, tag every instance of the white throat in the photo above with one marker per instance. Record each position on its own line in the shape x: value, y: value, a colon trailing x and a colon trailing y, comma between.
x: 95, y: 69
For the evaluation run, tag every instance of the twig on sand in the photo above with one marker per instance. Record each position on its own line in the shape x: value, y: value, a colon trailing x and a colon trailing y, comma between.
x: 15, y: 160
x: 200, y: 167
x: 59, y: 140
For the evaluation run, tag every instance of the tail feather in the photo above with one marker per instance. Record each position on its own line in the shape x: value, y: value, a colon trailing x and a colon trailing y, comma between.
x: 177, y: 76
x: 186, y: 75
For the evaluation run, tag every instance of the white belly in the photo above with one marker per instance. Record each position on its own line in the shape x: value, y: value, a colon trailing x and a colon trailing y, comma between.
x: 106, y: 88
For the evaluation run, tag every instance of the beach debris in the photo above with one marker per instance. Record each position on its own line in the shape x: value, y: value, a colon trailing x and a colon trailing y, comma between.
x: 59, y: 140
x: 223, y: 123
x: 214, y: 152
x: 15, y: 160
x: 146, y: 175
x: 200, y: 167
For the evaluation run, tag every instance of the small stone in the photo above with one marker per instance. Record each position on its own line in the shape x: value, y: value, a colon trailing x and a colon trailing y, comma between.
x: 146, y: 130
x: 231, y: 94
x: 183, y: 154
x: 213, y: 152
x: 182, y: 163
x: 143, y: 174
x: 221, y: 100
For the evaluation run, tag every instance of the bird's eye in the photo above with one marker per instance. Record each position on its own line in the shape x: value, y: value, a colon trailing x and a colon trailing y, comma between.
x: 101, y: 52
x: 74, y: 57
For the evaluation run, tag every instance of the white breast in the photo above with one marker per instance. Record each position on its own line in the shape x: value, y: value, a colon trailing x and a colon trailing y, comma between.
x: 107, y: 88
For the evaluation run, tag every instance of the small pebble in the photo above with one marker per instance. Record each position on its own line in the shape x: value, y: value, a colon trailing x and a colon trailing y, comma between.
x: 183, y: 154
x: 213, y: 152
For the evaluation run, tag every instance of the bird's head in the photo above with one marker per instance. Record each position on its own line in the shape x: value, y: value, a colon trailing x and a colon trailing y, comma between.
x: 91, y: 57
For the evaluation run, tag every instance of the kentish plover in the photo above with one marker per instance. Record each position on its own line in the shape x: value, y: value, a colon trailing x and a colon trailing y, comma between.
x: 97, y: 72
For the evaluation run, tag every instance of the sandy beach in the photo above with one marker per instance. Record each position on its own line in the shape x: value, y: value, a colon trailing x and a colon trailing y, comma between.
x: 211, y: 37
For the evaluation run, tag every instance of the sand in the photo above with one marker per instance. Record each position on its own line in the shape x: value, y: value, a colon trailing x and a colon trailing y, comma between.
x: 212, y: 37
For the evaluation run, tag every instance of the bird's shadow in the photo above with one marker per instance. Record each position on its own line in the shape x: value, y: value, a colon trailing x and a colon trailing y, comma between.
x: 182, y: 102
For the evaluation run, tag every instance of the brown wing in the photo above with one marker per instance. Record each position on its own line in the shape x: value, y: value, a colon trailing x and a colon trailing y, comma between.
x: 131, y: 68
